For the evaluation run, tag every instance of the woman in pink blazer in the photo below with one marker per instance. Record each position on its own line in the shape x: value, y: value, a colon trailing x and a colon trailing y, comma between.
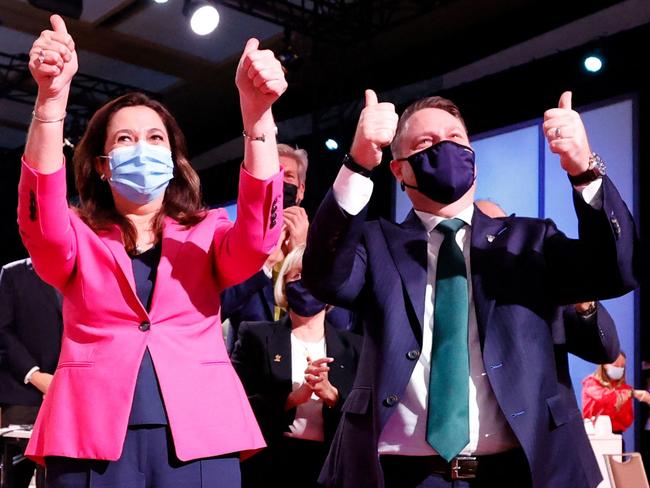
x: 144, y: 393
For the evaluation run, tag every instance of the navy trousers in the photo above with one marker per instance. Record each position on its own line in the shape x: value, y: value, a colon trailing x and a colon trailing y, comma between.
x: 147, y: 461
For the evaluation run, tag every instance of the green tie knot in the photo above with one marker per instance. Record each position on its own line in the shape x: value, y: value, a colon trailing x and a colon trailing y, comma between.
x: 450, y: 226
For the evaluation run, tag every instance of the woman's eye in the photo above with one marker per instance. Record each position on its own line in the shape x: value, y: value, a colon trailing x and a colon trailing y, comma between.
x: 124, y: 138
x: 157, y: 137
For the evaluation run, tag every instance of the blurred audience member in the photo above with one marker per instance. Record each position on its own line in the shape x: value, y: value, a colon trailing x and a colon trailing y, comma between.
x: 30, y: 338
x: 297, y: 372
x: 605, y: 392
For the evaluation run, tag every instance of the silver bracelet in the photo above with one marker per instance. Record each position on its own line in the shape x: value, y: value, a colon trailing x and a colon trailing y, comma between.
x: 47, y: 121
x: 261, y: 138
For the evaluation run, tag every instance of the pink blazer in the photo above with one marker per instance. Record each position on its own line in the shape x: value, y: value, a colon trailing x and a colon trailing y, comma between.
x: 106, y: 328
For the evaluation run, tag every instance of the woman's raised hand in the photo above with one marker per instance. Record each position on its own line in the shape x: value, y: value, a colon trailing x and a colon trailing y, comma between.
x: 53, y: 61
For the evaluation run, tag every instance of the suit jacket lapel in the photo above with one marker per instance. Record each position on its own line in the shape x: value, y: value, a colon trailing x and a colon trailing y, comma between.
x: 113, y: 240
x: 488, y: 235
x: 279, y: 351
x: 334, y: 349
x: 407, y: 243
x: 173, y: 238
x: 268, y: 301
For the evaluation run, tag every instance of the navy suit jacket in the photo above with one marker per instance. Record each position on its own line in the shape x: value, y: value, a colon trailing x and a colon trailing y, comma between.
x: 30, y: 331
x: 522, y: 270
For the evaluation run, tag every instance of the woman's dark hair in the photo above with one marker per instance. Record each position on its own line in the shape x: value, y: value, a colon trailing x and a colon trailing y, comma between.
x: 182, y: 200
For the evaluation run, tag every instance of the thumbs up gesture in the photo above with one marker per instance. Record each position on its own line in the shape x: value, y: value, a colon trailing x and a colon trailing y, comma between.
x: 259, y: 78
x: 53, y: 60
x: 567, y: 137
x: 375, y: 130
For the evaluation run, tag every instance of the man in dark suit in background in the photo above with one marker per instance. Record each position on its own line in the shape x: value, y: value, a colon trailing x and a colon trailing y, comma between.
x: 252, y: 300
x: 458, y: 383
x: 30, y: 341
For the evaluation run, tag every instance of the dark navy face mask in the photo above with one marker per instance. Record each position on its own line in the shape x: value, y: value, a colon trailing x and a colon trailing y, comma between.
x: 443, y: 172
x: 301, y: 301
x: 290, y: 192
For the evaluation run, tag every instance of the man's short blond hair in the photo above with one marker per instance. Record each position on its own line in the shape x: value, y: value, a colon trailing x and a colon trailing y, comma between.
x: 429, y: 102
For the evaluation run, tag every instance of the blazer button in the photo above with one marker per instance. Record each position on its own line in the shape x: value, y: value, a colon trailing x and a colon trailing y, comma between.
x: 144, y: 326
x: 274, y: 207
x: 391, y: 400
x: 413, y: 354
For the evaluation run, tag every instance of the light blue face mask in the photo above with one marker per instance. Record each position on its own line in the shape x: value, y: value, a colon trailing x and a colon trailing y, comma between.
x: 141, y: 172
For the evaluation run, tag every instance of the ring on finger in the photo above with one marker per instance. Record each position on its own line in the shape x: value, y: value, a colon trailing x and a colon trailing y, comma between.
x: 556, y: 133
x: 41, y: 56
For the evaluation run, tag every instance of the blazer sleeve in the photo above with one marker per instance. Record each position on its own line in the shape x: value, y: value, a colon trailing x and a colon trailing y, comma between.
x: 593, y: 339
x: 45, y: 226
x: 334, y: 263
x: 603, y: 261
x: 17, y: 358
x: 241, y: 249
x: 250, y: 358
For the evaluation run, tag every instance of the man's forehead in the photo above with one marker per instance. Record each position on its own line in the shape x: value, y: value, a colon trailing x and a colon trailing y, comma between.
x: 288, y: 163
x: 432, y: 119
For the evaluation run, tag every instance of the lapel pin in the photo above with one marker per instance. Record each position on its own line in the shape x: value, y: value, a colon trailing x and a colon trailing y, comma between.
x: 490, y: 237
x: 277, y: 358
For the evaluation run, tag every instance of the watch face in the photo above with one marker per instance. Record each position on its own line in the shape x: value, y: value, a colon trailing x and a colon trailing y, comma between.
x: 597, y: 165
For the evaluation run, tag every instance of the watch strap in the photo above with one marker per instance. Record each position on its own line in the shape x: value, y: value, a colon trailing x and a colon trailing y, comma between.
x: 352, y: 165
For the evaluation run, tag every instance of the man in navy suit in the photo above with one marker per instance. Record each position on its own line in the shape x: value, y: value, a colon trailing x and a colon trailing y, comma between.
x: 30, y: 340
x: 470, y: 388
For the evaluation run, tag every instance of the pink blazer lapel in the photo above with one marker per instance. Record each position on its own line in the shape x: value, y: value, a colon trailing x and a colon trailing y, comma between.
x: 173, y: 237
x: 113, y: 240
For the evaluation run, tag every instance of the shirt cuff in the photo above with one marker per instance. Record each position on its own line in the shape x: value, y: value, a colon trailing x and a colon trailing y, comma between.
x: 267, y: 271
x: 29, y: 374
x: 592, y: 193
x: 352, y: 190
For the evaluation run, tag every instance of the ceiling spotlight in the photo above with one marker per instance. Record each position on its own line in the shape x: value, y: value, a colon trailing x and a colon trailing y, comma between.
x: 593, y: 63
x: 161, y: 1
x: 331, y: 144
x: 204, y: 17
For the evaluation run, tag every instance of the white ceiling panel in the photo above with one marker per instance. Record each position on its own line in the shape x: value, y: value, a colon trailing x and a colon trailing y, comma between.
x: 165, y: 24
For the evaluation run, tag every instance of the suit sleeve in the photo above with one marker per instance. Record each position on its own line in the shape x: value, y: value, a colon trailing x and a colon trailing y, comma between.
x: 248, y: 357
x: 334, y: 263
x: 593, y: 339
x: 235, y: 297
x: 44, y: 224
x: 602, y: 263
x: 241, y: 249
x: 16, y: 356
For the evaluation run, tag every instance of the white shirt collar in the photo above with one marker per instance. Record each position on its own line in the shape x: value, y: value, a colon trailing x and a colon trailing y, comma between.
x: 430, y: 220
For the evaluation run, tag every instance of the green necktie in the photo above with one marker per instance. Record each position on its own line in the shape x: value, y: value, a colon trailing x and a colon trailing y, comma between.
x: 448, y: 409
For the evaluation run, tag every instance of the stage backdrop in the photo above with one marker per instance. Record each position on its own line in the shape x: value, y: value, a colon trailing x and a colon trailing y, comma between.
x: 517, y: 171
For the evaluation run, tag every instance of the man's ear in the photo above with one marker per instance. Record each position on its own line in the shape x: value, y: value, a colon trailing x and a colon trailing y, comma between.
x: 300, y: 195
x: 396, y: 169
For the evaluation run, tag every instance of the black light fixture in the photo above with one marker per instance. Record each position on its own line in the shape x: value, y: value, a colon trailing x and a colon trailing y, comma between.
x: 67, y: 8
x: 204, y: 16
